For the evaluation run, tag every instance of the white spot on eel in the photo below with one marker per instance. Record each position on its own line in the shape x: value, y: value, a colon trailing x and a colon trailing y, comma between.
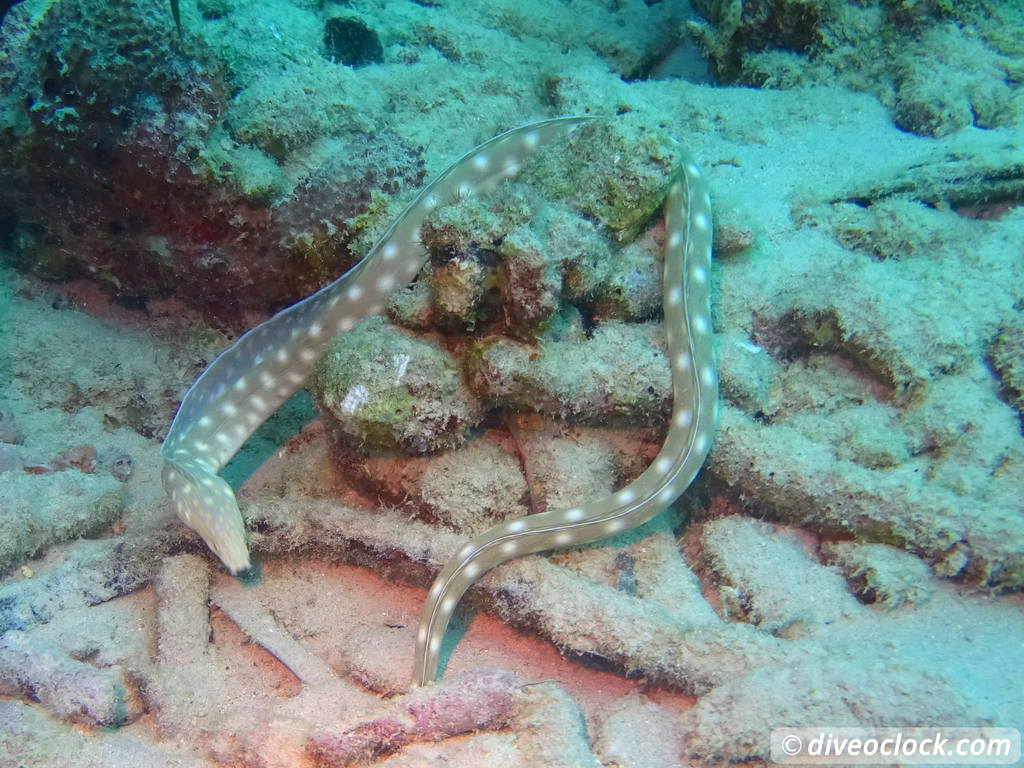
x: 220, y: 411
x: 615, y: 525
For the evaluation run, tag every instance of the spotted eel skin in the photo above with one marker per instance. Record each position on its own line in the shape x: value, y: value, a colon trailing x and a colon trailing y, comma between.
x: 263, y: 368
x: 686, y: 302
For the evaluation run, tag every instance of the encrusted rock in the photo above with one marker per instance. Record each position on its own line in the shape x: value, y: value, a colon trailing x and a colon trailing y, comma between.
x: 69, y: 689
x: 882, y: 574
x: 620, y: 373
x: 385, y: 390
x: 1007, y: 354
x: 44, y: 509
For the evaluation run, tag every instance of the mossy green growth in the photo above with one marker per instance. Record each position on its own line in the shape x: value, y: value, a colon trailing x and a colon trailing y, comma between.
x: 385, y: 390
x: 614, y: 171
x: 1006, y: 353
x: 255, y: 174
x: 377, y: 210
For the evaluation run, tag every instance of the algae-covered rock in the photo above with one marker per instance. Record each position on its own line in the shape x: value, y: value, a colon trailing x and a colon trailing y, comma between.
x: 951, y: 80
x: 615, y: 172
x: 736, y: 718
x: 569, y: 468
x: 882, y: 574
x: 68, y: 688
x: 43, y: 510
x: 793, y: 478
x: 472, y: 222
x: 475, y: 487
x: 412, y: 306
x: 234, y: 192
x: 937, y: 65
x: 488, y: 262
x: 768, y: 578
x: 1007, y: 354
x: 285, y: 111
x: 583, y: 250
x: 631, y: 287
x: 620, y: 373
x: 748, y: 373
x: 530, y: 284
x: 455, y: 290
x: 382, y: 389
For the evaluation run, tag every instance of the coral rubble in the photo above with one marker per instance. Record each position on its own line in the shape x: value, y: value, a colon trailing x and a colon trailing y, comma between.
x: 852, y: 553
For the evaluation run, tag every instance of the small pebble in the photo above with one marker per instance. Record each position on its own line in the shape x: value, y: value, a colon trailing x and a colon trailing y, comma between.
x: 122, y: 467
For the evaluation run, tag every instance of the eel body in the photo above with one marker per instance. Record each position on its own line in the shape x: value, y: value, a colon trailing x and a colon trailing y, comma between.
x: 264, y: 367
x: 686, y: 301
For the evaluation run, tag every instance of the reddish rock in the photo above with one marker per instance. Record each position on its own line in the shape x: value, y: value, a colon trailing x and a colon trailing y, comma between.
x: 80, y: 457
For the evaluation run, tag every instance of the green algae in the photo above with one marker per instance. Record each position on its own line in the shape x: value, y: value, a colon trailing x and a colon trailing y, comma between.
x: 385, y: 390
x: 615, y: 172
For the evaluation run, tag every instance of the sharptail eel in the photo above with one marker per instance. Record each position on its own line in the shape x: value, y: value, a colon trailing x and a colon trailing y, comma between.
x: 264, y: 367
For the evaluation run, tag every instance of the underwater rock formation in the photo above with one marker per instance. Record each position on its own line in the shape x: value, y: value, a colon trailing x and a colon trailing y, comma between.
x: 384, y: 390
x: 938, y: 66
x: 881, y: 574
x: 1007, y: 354
x: 852, y: 553
x: 87, y: 503
x: 238, y: 172
x: 620, y: 374
x: 68, y: 689
x: 194, y: 199
x: 468, y: 489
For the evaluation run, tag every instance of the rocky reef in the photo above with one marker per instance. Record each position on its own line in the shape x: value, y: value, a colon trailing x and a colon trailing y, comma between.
x: 162, y: 166
x: 937, y: 65
x: 857, y: 528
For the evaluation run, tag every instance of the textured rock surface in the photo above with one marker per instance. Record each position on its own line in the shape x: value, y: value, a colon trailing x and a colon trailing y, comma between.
x: 881, y: 574
x: 68, y: 689
x: 1007, y: 354
x: 87, y: 504
x: 852, y: 552
x: 938, y: 66
x: 619, y: 375
x: 384, y: 390
x: 245, y: 163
